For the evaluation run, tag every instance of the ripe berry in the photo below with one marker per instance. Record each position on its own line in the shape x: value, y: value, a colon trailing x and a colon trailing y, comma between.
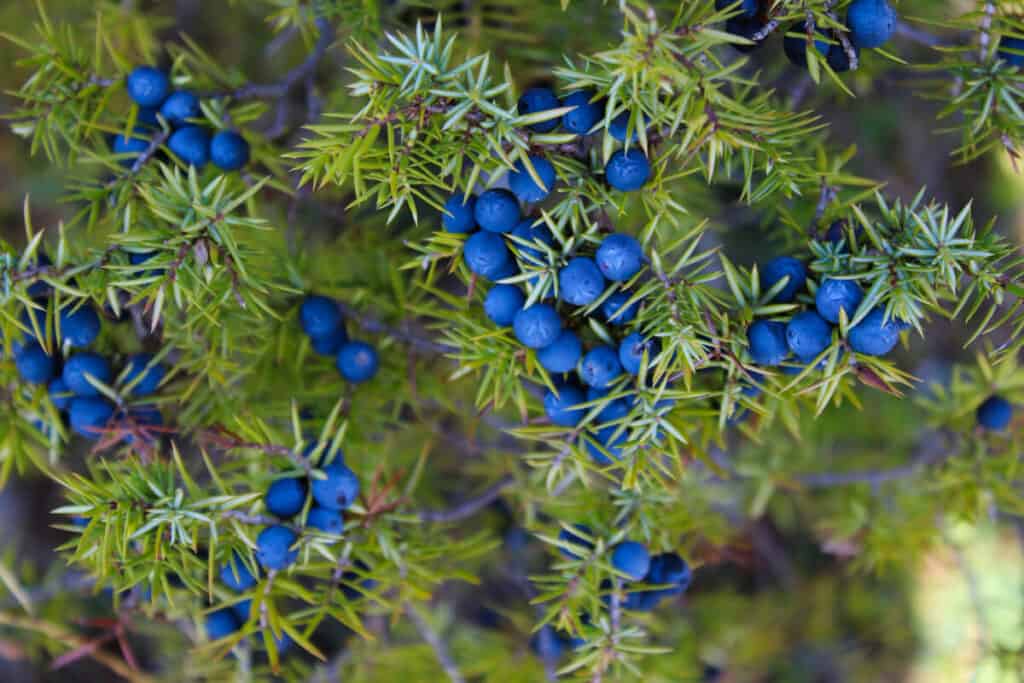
x: 33, y: 320
x: 83, y: 365
x: 795, y: 44
x: 567, y: 536
x: 546, y: 644
x: 229, y: 151
x: 752, y: 388
x: 283, y: 643
x: 330, y: 344
x: 33, y: 364
x: 148, y: 86
x: 510, y: 269
x: 580, y: 282
x: 502, y: 303
x: 89, y: 415
x: 236, y: 575
x: 619, y: 257
x: 600, y: 367
x: 133, y: 145
x: 627, y: 171
x: 615, y: 310
x: 632, y: 349
x: 610, y: 445
x: 458, y: 213
x: 744, y: 27
x: 339, y: 488
x: 357, y: 362
x: 497, y: 210
x: 145, y: 374
x: 79, y: 327
x: 874, y: 336
x: 485, y: 254
x: 539, y: 99
x: 619, y: 125
x: 838, y: 59
x: 285, y: 497
x: 561, y: 407
x: 586, y: 114
x: 838, y: 295
x: 641, y: 600
x: 780, y: 267
x: 327, y: 521
x: 147, y: 118
x: 632, y: 559
x: 272, y: 547
x: 615, y: 409
x: 871, y: 22
x: 352, y: 578
x: 221, y: 623
x: 669, y: 568
x: 562, y: 354
x: 319, y: 316
x: 242, y: 610
x: 59, y: 393
x: 995, y: 413
x: 191, y: 144
x: 525, y: 187
x: 807, y: 335
x: 179, y: 107
x: 1008, y: 43
x: 836, y: 232
x: 537, y: 326
x: 39, y: 288
x: 767, y: 340
x: 532, y: 230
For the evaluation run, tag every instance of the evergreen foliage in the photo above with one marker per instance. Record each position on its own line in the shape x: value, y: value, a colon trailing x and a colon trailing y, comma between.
x: 522, y: 414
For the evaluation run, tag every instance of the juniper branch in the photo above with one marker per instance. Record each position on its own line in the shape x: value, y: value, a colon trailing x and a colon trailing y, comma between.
x: 469, y: 507
x: 70, y: 639
x: 985, y: 30
x: 917, y: 35
x: 436, y: 644
x: 930, y: 455
x: 270, y: 91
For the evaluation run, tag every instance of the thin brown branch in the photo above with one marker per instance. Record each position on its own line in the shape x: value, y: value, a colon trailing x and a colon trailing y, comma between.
x: 272, y: 91
x: 469, y: 507
x: 70, y: 639
x: 416, y: 338
x: 220, y: 436
x: 436, y: 644
x: 933, y: 451
x: 916, y: 35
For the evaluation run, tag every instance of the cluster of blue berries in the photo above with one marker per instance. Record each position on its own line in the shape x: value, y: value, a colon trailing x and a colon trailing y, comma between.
x: 581, y: 282
x: 650, y: 580
x: 150, y: 88
x: 668, y: 571
x: 807, y: 334
x: 626, y: 170
x: 869, y: 23
x: 497, y: 211
x: 285, y: 498
x: 88, y: 411
x: 324, y: 324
